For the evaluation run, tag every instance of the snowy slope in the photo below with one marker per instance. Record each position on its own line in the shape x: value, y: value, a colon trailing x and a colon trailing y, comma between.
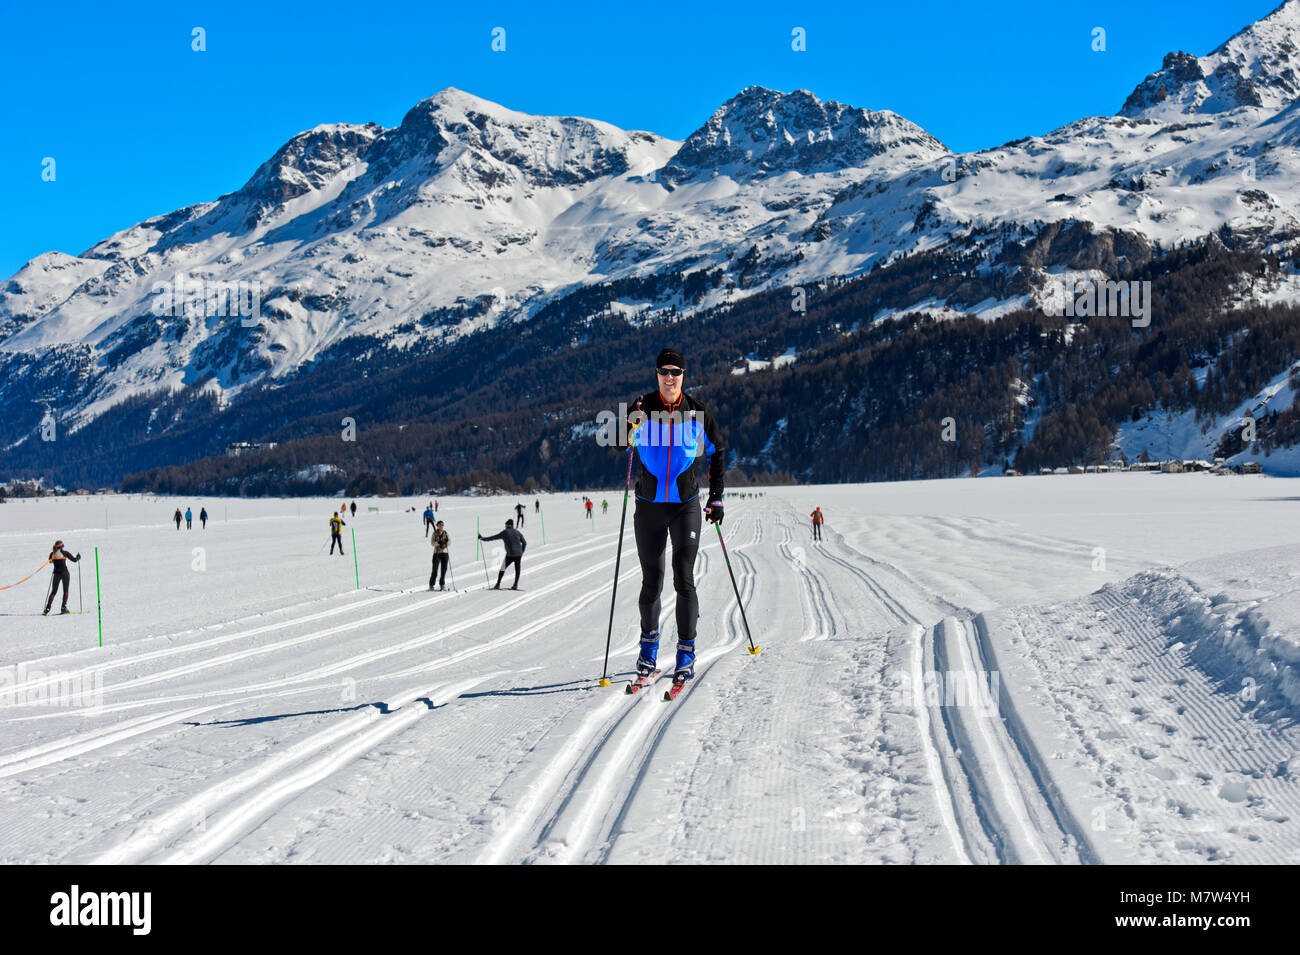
x: 256, y: 707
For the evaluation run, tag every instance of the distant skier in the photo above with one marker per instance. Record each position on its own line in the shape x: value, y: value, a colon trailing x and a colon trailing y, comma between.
x: 669, y: 431
x: 203, y: 517
x: 441, y: 556
x: 336, y: 532
x: 537, y: 505
x: 189, y: 519
x: 515, y: 547
x: 817, y: 518
x: 59, y: 559
x: 604, y: 506
x: 589, y: 508
x: 354, y: 508
x: 428, y: 520
x: 435, y: 507
x: 519, y: 515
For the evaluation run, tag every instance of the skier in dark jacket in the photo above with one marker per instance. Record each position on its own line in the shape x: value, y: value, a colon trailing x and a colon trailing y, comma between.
x: 59, y: 558
x: 515, y: 547
x: 203, y: 517
x: 441, y: 556
x: 177, y: 518
x: 519, y: 515
x: 670, y: 432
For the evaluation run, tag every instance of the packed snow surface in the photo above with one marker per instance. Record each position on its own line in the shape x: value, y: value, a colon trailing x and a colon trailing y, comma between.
x: 1072, y: 669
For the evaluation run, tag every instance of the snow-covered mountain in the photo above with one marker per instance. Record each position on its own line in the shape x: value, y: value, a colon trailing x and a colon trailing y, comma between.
x: 469, y: 214
x: 1259, y: 66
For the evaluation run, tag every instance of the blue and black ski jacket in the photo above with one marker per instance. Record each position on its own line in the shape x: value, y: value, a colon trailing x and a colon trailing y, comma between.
x: 668, y: 443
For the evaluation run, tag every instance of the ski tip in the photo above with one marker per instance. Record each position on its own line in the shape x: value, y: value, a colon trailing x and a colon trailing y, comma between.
x: 668, y: 696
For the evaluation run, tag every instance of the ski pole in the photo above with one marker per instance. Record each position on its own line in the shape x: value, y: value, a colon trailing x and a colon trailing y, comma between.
x: 542, y: 515
x: 81, y: 606
x: 618, y: 557
x: 487, y: 580
x: 739, y: 602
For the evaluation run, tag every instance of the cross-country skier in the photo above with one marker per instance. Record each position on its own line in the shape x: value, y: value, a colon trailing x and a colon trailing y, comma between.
x: 537, y: 505
x: 177, y: 518
x: 817, y: 518
x: 203, y: 517
x: 441, y: 541
x: 519, y: 515
x: 428, y: 520
x: 670, y: 431
x: 515, y: 547
x: 354, y: 508
x: 604, y: 506
x: 189, y: 519
x: 336, y: 532
x: 589, y: 502
x: 59, y: 559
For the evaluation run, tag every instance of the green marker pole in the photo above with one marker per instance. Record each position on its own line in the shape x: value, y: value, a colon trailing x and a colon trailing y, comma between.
x: 98, y: 601
x: 355, y: 566
x: 543, y: 513
x: 478, y: 530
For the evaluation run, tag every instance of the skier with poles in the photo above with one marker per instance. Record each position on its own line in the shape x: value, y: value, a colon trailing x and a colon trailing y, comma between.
x: 515, y: 547
x: 59, y: 559
x: 668, y: 431
x: 441, y: 556
x: 519, y: 515
x: 428, y: 519
x: 817, y: 519
x: 336, y: 533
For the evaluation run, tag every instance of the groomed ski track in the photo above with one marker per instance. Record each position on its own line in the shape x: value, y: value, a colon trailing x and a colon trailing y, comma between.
x: 402, y: 725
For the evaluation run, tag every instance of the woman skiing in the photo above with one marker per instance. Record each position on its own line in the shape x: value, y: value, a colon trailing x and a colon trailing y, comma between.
x: 59, y: 559
x: 441, y: 556
x: 669, y: 431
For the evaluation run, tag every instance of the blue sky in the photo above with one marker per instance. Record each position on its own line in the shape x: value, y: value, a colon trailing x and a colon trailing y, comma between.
x: 139, y: 124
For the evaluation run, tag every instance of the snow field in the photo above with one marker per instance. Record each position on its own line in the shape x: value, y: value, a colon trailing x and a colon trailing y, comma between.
x: 255, y: 707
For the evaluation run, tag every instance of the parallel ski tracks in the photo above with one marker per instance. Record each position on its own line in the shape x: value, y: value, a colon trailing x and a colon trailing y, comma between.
x: 573, y: 810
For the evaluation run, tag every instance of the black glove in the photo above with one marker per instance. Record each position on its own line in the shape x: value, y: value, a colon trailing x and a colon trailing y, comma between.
x: 713, y: 512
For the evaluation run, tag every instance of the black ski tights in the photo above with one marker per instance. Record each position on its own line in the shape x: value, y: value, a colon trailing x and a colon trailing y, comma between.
x: 653, y: 524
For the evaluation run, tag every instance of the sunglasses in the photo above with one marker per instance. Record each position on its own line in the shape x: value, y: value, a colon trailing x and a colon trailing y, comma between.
x: 670, y: 372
